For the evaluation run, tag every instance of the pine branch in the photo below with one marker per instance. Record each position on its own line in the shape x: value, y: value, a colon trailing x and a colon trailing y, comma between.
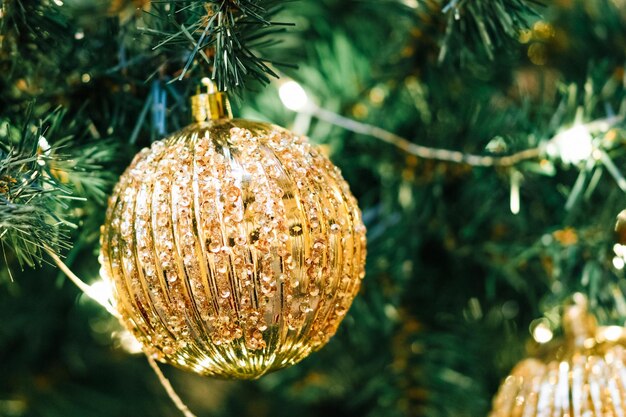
x: 479, y: 27
x: 31, y: 26
x: 30, y: 200
x: 77, y: 163
x: 38, y: 183
x: 226, y: 36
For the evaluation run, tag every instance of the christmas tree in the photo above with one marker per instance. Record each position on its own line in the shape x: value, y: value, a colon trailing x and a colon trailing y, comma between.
x: 484, y: 141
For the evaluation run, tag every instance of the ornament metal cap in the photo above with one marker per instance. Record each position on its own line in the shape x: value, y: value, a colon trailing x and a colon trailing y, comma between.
x: 212, y: 105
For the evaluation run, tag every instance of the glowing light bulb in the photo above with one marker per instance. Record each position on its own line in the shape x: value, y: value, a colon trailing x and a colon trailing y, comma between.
x: 293, y: 96
x: 128, y: 342
x: 620, y: 256
x: 101, y: 291
x: 573, y: 145
x: 613, y: 333
x: 516, y: 179
x: 542, y: 333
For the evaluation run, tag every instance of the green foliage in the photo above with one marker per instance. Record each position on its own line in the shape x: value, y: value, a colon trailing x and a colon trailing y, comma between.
x: 228, y: 36
x: 30, y: 197
x: 39, y: 183
x: 480, y: 27
x: 29, y: 31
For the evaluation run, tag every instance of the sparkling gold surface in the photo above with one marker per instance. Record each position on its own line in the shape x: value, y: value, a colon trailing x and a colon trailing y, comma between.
x: 584, y: 376
x: 234, y: 248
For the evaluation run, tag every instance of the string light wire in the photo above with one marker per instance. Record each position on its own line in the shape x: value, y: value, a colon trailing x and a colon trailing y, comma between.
x: 87, y: 290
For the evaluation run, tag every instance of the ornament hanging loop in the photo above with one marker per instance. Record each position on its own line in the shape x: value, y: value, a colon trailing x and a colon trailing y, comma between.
x: 212, y: 105
x: 579, y: 325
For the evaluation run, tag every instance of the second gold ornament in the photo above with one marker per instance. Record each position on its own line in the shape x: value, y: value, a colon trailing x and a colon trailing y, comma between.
x: 581, y: 376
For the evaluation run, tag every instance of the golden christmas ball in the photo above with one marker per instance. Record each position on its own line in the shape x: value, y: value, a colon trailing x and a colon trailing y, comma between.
x: 234, y: 248
x: 582, y: 376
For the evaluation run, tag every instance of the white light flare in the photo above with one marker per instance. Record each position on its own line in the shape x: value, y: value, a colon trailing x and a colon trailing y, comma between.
x: 128, y: 342
x: 293, y: 96
x: 619, y: 259
x: 541, y: 332
x: 101, y: 291
x: 573, y: 145
x: 613, y: 333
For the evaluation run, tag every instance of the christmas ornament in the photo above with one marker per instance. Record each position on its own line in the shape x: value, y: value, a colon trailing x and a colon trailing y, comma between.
x: 234, y: 248
x: 582, y: 376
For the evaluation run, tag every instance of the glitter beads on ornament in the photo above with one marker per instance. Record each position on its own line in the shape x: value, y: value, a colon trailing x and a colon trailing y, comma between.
x: 583, y: 376
x: 234, y: 248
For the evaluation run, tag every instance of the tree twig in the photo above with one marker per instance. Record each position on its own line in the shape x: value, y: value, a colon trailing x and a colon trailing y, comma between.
x: 168, y: 388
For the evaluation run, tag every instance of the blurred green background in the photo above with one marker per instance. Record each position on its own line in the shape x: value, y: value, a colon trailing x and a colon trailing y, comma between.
x: 455, y: 281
